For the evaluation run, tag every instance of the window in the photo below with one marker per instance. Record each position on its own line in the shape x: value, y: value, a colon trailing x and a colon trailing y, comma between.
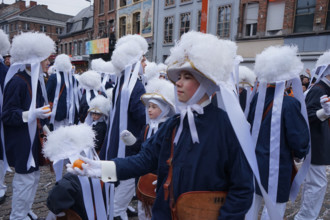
x: 168, y: 30
x: 58, y: 30
x: 111, y: 5
x: 68, y: 26
x: 61, y: 48
x: 199, y: 21
x: 136, y: 0
x: 122, y: 26
x: 102, y: 32
x: 136, y: 23
x: 84, y: 21
x: 251, y: 19
x: 80, y: 47
x: 327, y: 27
x: 169, y: 2
x: 185, y: 1
x: 70, y: 48
x: 275, y: 16
x: 223, y: 27
x: 26, y: 26
x: 43, y: 28
x: 66, y: 48
x: 111, y: 26
x: 185, y: 23
x: 122, y: 3
x: 101, y: 7
x: 304, y: 16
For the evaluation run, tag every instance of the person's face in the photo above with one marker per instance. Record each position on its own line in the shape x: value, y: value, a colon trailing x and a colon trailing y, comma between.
x: 96, y: 116
x: 304, y: 88
x: 44, y: 65
x: 162, y: 77
x: 144, y: 63
x: 186, y: 86
x: 153, y: 110
x: 7, y: 61
x: 305, y: 80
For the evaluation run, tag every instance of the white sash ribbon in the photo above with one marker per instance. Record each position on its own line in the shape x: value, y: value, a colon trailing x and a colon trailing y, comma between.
x: 249, y: 99
x: 87, y: 196
x: 242, y: 131
x: 259, y: 111
x: 104, y: 82
x: 56, y: 96
x: 300, y: 176
x: 275, y: 140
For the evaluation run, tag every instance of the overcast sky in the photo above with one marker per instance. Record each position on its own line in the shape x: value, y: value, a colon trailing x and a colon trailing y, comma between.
x: 69, y: 7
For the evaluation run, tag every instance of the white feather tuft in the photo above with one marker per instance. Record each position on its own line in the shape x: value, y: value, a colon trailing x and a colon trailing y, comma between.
x: 4, y: 43
x: 246, y: 76
x: 141, y: 41
x: 31, y: 47
x: 324, y: 59
x: 108, y: 68
x: 97, y: 65
x: 126, y: 54
x: 51, y: 70
x: 68, y: 141
x: 211, y: 56
x: 277, y: 63
x: 100, y: 104
x: 89, y: 80
x: 164, y: 89
x: 151, y: 71
x: 63, y: 63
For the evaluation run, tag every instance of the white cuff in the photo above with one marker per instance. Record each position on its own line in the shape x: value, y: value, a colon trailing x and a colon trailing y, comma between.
x: 108, y: 171
x: 321, y: 114
x: 25, y: 116
x: 45, y: 129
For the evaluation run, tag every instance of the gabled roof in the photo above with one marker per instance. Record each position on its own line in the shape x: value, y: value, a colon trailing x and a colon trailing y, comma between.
x: 40, y: 11
x: 8, y: 11
x: 81, y: 22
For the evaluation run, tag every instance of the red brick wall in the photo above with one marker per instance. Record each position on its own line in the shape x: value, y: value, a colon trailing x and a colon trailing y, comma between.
x: 106, y: 16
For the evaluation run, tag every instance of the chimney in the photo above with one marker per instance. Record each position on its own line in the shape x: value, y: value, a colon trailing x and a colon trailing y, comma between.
x: 33, y: 3
x: 45, y: 6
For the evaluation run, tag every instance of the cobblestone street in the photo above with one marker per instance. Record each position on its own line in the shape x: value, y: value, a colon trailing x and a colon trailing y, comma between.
x: 47, y: 181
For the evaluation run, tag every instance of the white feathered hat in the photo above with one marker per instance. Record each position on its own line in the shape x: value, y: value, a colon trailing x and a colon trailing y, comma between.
x: 161, y: 90
x: 4, y: 43
x: 246, y: 77
x: 100, y: 105
x: 278, y: 63
x: 205, y: 56
x: 129, y: 50
x: 63, y: 63
x: 97, y: 65
x: 151, y: 71
x: 68, y: 141
x: 31, y: 48
x: 51, y: 70
x: 322, y: 67
x: 89, y: 80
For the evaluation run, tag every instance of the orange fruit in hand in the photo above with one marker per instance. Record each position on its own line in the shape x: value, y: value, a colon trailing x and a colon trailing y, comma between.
x: 46, y: 108
x: 78, y: 163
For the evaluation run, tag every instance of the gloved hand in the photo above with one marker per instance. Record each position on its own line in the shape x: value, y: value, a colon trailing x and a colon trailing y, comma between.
x: 42, y: 113
x: 127, y: 137
x: 325, y: 103
x: 91, y: 168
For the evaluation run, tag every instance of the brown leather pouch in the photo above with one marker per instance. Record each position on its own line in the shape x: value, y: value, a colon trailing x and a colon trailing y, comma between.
x: 199, y: 205
x: 146, y: 192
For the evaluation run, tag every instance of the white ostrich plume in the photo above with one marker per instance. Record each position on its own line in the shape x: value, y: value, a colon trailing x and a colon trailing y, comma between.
x: 138, y: 39
x: 31, y: 47
x: 68, y: 141
x: 100, y: 104
x: 63, y: 63
x: 151, y: 71
x: 108, y: 93
x: 97, y: 65
x: 246, y: 75
x: 108, y: 68
x: 212, y: 57
x: 4, y: 43
x: 324, y: 59
x: 278, y: 63
x: 89, y: 80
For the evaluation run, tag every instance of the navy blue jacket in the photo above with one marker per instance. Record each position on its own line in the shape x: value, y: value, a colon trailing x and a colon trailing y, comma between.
x: 135, y: 121
x: 16, y: 100
x: 320, y: 130
x: 3, y: 72
x: 217, y: 163
x: 100, y: 130
x: 294, y: 141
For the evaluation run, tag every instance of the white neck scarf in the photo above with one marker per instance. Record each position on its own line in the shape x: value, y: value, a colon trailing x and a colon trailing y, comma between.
x: 187, y: 108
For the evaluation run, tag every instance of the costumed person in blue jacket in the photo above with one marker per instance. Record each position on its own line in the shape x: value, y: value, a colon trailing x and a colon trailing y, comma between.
x: 24, y: 108
x: 97, y: 117
x: 279, y: 125
x: 127, y: 113
x: 62, y: 93
x: 4, y: 48
x: 318, y: 108
x: 196, y: 150
x: 159, y: 103
x: 90, y: 82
